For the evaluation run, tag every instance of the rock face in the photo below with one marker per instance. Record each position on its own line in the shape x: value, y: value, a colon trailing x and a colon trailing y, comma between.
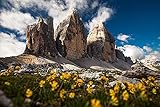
x: 40, y: 39
x: 70, y: 38
x: 120, y: 55
x: 138, y: 70
x: 101, y: 44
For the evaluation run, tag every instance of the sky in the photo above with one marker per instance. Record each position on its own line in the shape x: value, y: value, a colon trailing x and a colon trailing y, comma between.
x: 135, y: 24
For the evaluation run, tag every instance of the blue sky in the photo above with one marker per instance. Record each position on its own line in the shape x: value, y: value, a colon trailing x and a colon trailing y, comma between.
x: 138, y: 18
x: 134, y: 23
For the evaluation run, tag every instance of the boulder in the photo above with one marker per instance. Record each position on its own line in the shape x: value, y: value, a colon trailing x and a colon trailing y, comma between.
x: 40, y: 39
x: 70, y: 37
x: 101, y: 44
x: 5, y: 101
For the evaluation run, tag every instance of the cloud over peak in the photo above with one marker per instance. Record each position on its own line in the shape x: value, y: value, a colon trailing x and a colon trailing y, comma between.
x: 102, y: 15
x: 10, y: 46
x: 147, y: 49
x: 132, y: 51
x: 123, y: 37
x: 15, y: 20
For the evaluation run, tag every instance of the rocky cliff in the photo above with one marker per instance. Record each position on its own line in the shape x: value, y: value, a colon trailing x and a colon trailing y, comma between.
x: 120, y: 55
x: 40, y: 39
x: 70, y: 38
x: 101, y: 44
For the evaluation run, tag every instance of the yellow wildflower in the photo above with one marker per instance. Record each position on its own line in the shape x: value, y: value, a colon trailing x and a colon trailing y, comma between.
x: 151, y: 78
x: 95, y: 103
x: 140, y: 86
x: 53, y: 71
x: 103, y: 78
x: 51, y: 77
x: 10, y: 69
x: 111, y: 92
x: 79, y: 82
x: 131, y: 88
x: 71, y: 95
x: 65, y: 75
x: 90, y: 83
x: 125, y: 95
x: 17, y: 67
x: 89, y: 89
x: 54, y: 85
x: 116, y: 88
x: 62, y: 93
x: 7, y: 83
x: 75, y: 77
x: 29, y: 93
x: 114, y: 101
x: 154, y: 91
x: 41, y: 83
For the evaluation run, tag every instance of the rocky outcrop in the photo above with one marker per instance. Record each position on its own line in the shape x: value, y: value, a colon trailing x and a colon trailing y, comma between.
x: 101, y: 44
x: 120, y: 55
x: 140, y: 71
x: 40, y: 39
x: 4, y: 101
x: 70, y: 38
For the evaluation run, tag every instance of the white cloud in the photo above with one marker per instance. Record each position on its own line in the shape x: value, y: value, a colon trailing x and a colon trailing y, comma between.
x: 10, y: 46
x: 103, y: 15
x: 132, y: 51
x: 94, y: 4
x: 15, y: 20
x: 58, y: 9
x: 147, y: 49
x: 123, y: 37
x: 152, y: 57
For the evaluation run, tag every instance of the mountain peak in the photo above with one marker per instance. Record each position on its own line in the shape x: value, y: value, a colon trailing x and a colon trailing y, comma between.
x: 40, y: 39
x: 100, y: 43
x: 70, y: 38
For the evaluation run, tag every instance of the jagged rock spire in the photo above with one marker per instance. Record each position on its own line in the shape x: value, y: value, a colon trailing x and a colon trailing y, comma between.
x: 40, y: 40
x: 70, y: 38
x: 101, y: 44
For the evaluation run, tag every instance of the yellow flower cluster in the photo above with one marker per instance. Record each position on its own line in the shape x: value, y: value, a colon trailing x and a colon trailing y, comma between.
x: 71, y: 95
x: 89, y: 87
x: 131, y: 88
x: 103, y: 78
x: 95, y: 103
x: 54, y: 85
x: 41, y: 83
x: 125, y: 95
x: 52, y: 75
x: 114, y: 99
x: 62, y: 93
x: 29, y: 93
x: 65, y: 76
x: 79, y: 82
